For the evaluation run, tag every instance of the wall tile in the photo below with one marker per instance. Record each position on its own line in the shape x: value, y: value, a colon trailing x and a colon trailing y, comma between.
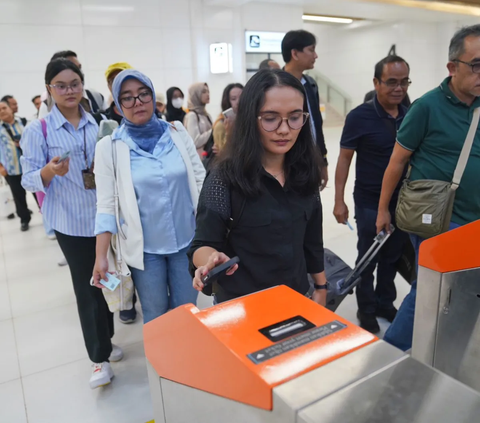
x: 45, y: 12
x: 141, y: 47
x: 121, y: 13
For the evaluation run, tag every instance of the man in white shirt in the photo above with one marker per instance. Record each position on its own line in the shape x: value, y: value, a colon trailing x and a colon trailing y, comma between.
x: 93, y: 100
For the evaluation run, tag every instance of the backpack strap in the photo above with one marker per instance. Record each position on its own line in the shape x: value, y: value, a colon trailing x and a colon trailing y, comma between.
x: 95, y: 106
x: 24, y: 121
x: 44, y: 128
x: 10, y: 133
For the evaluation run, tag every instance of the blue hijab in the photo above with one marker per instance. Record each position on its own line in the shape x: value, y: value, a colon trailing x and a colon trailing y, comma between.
x: 145, y: 136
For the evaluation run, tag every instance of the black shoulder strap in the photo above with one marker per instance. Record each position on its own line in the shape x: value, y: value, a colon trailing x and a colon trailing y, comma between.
x: 10, y: 133
x: 95, y: 106
x: 24, y: 121
x: 98, y: 117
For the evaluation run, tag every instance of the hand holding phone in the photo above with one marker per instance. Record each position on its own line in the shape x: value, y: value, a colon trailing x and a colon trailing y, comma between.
x: 229, y: 114
x: 219, y: 271
x: 64, y: 157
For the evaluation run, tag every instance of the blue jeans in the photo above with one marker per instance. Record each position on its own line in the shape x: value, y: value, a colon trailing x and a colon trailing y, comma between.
x: 371, y: 298
x: 400, y: 332
x: 164, y: 284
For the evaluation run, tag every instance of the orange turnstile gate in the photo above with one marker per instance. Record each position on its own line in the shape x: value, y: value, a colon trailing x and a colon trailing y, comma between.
x: 276, y: 356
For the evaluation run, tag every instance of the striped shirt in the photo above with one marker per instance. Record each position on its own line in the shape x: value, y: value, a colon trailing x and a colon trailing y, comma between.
x: 9, y: 152
x: 68, y: 207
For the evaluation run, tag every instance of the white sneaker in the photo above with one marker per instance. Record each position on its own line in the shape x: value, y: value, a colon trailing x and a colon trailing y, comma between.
x: 62, y: 262
x: 102, y: 374
x: 117, y: 354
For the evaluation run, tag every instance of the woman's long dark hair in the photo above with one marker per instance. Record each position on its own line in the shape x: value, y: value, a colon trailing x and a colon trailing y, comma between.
x: 241, y: 161
x: 226, y: 95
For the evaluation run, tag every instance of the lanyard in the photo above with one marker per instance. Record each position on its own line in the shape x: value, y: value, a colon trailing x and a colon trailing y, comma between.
x: 84, y: 144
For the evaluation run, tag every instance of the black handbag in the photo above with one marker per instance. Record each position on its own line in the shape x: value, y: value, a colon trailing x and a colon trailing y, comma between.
x: 406, y: 265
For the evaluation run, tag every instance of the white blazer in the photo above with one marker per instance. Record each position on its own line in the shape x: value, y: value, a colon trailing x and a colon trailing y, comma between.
x: 131, y: 239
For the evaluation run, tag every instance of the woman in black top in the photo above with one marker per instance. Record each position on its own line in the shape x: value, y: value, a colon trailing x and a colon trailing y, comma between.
x: 262, y: 201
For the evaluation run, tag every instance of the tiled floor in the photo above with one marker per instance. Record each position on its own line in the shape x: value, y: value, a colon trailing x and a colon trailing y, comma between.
x: 44, y: 369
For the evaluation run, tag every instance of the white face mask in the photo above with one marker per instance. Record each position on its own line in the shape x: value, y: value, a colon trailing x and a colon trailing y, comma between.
x: 177, y: 103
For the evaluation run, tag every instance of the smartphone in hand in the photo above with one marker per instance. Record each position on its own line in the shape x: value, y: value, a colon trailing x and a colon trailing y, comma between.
x: 219, y: 271
x: 64, y: 157
x: 229, y: 114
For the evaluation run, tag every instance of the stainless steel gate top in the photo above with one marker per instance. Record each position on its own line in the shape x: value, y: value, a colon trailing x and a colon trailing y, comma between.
x: 407, y: 392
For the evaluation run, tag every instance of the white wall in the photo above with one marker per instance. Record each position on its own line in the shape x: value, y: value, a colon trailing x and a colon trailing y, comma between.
x: 348, y: 56
x: 166, y: 39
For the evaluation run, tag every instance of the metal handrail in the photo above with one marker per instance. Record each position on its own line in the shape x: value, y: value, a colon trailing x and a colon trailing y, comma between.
x: 342, y: 103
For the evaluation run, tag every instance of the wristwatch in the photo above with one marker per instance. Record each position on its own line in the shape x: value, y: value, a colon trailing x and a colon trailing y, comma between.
x: 316, y: 286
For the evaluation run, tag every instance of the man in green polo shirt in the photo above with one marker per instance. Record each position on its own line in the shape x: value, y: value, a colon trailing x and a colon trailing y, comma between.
x: 431, y: 139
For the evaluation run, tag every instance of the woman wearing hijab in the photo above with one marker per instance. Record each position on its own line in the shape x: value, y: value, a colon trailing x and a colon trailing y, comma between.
x: 159, y: 177
x: 197, y: 121
x: 175, y: 99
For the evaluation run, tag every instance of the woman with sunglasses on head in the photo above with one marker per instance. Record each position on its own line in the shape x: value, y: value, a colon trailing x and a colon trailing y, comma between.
x: 58, y: 155
x: 261, y: 203
x: 159, y: 177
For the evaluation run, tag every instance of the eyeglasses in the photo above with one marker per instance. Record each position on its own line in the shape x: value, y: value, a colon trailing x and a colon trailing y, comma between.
x: 474, y: 66
x: 62, y: 89
x: 271, y: 122
x: 130, y: 101
x: 394, y: 83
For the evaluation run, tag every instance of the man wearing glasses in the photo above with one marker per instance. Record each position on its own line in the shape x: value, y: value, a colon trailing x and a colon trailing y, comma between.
x: 370, y: 131
x: 431, y: 138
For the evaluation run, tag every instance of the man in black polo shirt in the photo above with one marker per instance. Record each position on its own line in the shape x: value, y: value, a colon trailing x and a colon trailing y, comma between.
x: 370, y: 131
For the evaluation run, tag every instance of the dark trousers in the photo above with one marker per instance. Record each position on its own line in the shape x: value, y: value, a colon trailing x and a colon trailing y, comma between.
x: 19, y: 196
x: 95, y: 317
x: 370, y: 298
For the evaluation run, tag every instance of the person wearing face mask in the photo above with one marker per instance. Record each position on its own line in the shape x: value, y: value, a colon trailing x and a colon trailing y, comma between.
x: 197, y: 121
x: 261, y: 202
x: 151, y: 156
x: 221, y: 128
x: 175, y: 100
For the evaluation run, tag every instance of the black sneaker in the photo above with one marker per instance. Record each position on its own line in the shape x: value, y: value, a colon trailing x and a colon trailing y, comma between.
x: 368, y: 321
x: 128, y: 316
x: 24, y: 227
x: 387, y: 313
x: 11, y: 216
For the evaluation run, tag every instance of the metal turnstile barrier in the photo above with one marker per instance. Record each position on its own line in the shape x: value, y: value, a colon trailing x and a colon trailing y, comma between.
x: 447, y: 316
x: 277, y: 357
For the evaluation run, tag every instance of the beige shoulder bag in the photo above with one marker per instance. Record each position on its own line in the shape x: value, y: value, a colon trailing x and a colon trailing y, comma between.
x: 425, y: 206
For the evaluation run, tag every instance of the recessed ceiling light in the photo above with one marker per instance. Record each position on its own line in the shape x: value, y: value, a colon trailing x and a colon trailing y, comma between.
x: 328, y: 19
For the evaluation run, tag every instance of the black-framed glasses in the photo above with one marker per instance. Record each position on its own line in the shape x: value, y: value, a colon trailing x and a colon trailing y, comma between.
x: 474, y: 66
x: 130, y: 101
x: 394, y: 83
x: 271, y: 121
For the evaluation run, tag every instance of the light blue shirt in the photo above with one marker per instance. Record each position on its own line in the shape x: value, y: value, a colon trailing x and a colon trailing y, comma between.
x: 163, y: 195
x: 68, y: 207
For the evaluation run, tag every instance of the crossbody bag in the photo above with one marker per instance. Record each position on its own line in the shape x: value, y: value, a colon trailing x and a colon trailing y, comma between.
x: 425, y: 206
